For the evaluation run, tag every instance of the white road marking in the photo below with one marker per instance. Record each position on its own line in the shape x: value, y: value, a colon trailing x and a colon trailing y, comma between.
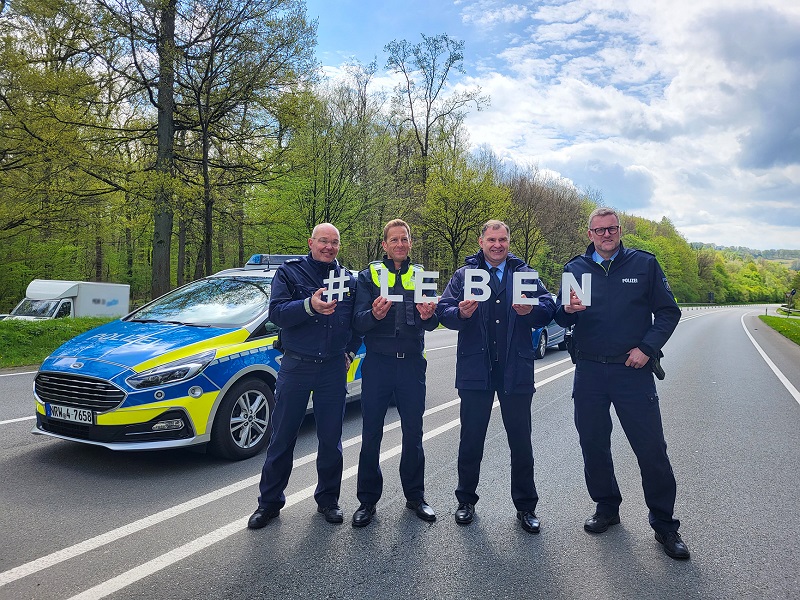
x: 781, y: 377
x: 20, y: 373
x: 17, y: 420
x: 169, y: 558
x: 439, y: 348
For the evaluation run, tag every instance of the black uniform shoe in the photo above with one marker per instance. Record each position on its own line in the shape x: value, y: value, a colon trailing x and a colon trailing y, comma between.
x: 363, y: 516
x: 465, y: 513
x: 422, y: 509
x: 529, y: 521
x: 333, y: 514
x: 598, y: 522
x: 674, y: 546
x: 261, y: 517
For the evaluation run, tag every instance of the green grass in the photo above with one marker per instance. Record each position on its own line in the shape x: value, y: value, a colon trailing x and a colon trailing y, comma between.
x: 787, y: 327
x: 28, y: 343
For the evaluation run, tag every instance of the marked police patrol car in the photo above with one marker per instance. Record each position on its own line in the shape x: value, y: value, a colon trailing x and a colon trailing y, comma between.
x: 195, y: 366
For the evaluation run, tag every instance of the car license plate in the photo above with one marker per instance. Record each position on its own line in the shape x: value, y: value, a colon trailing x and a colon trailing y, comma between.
x: 68, y: 413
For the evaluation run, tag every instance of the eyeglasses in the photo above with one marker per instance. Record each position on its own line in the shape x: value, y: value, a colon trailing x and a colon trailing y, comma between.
x: 327, y: 242
x: 613, y: 230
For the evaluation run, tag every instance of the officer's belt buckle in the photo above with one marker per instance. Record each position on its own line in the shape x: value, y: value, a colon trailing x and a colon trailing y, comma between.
x: 401, y: 355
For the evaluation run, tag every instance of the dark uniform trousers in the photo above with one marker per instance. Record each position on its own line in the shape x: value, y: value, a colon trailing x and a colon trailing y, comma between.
x: 633, y: 394
x: 384, y: 376
x: 296, y: 380
x: 476, y: 409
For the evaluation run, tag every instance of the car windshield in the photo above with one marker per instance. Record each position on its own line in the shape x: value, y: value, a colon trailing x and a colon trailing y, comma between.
x: 35, y: 308
x: 216, y: 301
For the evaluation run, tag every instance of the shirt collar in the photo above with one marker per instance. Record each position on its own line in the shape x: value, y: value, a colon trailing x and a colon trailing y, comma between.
x: 599, y: 259
x: 501, y: 268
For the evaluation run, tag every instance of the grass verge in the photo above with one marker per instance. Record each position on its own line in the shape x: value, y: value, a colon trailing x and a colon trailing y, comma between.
x: 24, y: 343
x: 789, y: 328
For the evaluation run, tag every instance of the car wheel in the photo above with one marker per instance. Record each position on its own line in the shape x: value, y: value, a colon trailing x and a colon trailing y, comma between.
x: 541, y: 347
x: 243, y: 424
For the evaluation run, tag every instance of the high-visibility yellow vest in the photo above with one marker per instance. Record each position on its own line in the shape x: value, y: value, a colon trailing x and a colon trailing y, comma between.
x: 406, y: 279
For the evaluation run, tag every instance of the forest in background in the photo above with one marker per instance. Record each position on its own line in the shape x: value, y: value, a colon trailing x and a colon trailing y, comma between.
x: 154, y: 142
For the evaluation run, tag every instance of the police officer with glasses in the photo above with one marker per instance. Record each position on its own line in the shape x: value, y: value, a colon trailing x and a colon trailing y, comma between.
x: 318, y: 349
x: 616, y: 349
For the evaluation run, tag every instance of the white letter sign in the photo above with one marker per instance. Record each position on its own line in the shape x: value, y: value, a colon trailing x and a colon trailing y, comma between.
x: 383, y: 275
x: 520, y: 287
x: 476, y: 279
x: 583, y: 291
x: 420, y: 286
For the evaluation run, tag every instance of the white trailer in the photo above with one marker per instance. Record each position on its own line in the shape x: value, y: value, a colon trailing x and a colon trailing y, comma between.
x: 53, y: 299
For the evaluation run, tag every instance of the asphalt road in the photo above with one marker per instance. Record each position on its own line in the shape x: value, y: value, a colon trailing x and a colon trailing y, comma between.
x: 85, y: 522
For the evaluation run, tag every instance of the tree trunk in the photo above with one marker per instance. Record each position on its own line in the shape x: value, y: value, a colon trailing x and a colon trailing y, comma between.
x: 208, y: 212
x: 162, y: 205
x: 181, y: 251
x: 98, y: 258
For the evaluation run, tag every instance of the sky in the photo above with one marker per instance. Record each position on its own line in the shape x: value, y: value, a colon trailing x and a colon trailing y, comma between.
x: 688, y: 109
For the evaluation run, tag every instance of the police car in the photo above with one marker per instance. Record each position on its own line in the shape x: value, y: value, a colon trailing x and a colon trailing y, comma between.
x: 195, y: 366
x: 551, y: 336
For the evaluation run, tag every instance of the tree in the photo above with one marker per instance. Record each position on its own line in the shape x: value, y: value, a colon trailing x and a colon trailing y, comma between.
x: 340, y: 167
x: 460, y: 199
x: 548, y: 221
x: 148, y: 29
x: 230, y: 74
x: 420, y: 100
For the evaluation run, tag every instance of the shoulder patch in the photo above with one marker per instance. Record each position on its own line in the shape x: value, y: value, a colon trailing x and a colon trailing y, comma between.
x: 666, y: 284
x: 292, y: 260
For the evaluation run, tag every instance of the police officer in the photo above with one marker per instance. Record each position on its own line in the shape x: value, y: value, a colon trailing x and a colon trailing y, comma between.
x: 393, y: 367
x: 318, y: 348
x: 616, y: 340
x: 495, y: 356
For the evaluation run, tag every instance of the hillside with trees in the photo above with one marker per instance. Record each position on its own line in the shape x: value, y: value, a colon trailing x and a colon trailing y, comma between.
x: 154, y: 143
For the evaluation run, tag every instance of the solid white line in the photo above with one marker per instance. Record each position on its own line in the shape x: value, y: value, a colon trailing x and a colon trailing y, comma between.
x: 440, y: 348
x: 111, y: 536
x: 20, y: 373
x: 781, y: 377
x: 17, y: 420
x: 173, y: 556
x: 551, y: 365
x: 554, y: 377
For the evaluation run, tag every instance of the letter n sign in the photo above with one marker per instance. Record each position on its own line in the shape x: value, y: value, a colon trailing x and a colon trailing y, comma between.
x: 583, y: 291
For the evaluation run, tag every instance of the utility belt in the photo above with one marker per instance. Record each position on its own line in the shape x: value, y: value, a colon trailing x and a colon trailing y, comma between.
x: 618, y: 359
x: 311, y: 359
x: 398, y: 354
x: 655, y: 363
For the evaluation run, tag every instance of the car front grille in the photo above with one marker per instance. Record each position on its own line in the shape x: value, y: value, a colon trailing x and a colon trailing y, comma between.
x: 78, y: 391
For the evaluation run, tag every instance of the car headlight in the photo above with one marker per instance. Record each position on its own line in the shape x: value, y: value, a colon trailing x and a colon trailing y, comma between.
x: 178, y: 370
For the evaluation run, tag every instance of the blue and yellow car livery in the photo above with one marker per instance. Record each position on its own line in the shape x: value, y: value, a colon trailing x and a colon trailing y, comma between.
x: 196, y: 366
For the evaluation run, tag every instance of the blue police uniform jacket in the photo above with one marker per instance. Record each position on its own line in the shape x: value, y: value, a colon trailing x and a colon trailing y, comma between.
x: 473, y: 362
x: 303, y: 330
x: 402, y: 329
x: 632, y: 305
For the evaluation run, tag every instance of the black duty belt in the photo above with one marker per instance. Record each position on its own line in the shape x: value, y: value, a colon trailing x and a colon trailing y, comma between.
x: 399, y: 354
x: 619, y: 359
x: 312, y: 359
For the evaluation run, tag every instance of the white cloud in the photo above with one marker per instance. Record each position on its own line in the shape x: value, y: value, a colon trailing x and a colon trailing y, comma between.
x: 490, y: 12
x: 662, y: 108
x: 685, y: 109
